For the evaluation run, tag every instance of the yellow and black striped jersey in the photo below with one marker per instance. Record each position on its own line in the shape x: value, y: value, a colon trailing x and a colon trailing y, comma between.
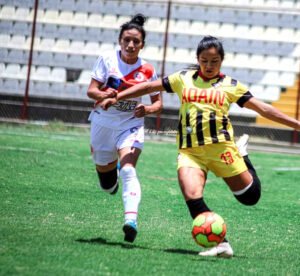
x: 203, y: 117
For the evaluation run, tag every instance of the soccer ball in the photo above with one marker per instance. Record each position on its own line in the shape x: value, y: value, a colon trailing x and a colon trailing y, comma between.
x: 209, y: 229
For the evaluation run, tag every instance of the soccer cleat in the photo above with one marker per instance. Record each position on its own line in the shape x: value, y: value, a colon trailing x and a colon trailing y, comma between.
x: 222, y: 250
x: 130, y: 231
x: 242, y: 144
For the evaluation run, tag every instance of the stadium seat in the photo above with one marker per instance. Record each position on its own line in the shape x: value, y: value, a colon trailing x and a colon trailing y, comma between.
x: 11, y: 86
x: 126, y: 8
x: 43, y: 58
x: 85, y: 77
x: 122, y: 19
x: 88, y: 61
x: 56, y: 89
x: 65, y: 17
x: 76, y: 47
x: 2, y: 69
x: 16, y: 56
x: 80, y: 19
x: 227, y: 30
x: 75, y: 61
x: 58, y: 75
x: 180, y: 11
x: 60, y: 59
x: 287, y: 79
x: 4, y: 40
x: 23, y: 14
x: 91, y: 48
x: 271, y: 78
x: 157, y: 10
x: 50, y: 16
x: 155, y: 25
x: 45, y: 44
x: 179, y: 26
x: 40, y: 88
x: 94, y: 20
x: 152, y: 52
x: 106, y: 47
x: 81, y: 6
x: 6, y: 26
x: 67, y: 5
x: 4, y: 55
x: 288, y: 64
x: 7, y: 12
x: 61, y: 45
x: 12, y: 70
x: 93, y: 34
x: 42, y: 73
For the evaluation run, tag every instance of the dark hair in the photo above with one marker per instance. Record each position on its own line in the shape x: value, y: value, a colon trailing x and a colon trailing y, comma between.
x: 137, y: 22
x: 208, y: 42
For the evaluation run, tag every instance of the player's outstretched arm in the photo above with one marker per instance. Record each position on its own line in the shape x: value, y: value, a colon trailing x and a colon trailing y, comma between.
x: 134, y: 91
x: 272, y: 113
x: 141, y: 89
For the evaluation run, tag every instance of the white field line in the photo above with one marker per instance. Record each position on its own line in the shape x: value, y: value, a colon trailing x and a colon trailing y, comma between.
x: 30, y: 150
x: 287, y: 169
x: 43, y: 135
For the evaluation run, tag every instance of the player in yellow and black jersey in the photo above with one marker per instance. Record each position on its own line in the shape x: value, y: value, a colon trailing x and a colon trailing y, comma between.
x: 205, y: 135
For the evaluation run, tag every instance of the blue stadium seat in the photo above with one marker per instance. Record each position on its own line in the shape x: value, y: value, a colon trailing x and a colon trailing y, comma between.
x: 75, y: 61
x: 88, y: 61
x: 181, y: 11
x: 153, y: 38
x: 67, y: 5
x: 11, y: 86
x: 6, y: 26
x: 4, y: 56
x: 157, y: 10
x: 43, y: 58
x: 61, y: 59
x: 17, y: 56
x: 49, y: 30
x: 80, y: 33
x: 82, y: 6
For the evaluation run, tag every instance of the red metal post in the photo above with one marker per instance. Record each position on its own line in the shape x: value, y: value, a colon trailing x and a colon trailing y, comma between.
x: 158, y: 121
x: 24, y: 113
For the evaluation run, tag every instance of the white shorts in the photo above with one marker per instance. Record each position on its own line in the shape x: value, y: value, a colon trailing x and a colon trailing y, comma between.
x: 105, y: 142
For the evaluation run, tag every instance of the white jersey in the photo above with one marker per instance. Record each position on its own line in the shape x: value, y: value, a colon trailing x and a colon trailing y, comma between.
x: 115, y: 73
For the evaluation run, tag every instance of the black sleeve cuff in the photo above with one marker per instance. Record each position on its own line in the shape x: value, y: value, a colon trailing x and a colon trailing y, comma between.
x: 245, y: 98
x: 166, y: 85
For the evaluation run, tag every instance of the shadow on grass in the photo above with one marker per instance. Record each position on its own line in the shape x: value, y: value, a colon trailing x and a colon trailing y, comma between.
x: 100, y: 240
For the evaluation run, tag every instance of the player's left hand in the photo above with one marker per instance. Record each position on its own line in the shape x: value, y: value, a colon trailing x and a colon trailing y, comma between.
x: 140, y: 111
x: 106, y: 103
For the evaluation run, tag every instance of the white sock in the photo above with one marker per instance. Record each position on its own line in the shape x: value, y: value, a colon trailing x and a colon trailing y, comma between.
x: 131, y: 192
x: 240, y: 192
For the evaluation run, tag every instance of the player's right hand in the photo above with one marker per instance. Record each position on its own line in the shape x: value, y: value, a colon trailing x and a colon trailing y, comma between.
x: 106, y: 103
x: 109, y: 93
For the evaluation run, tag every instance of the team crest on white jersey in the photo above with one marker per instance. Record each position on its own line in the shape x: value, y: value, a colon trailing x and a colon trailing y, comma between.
x: 139, y: 76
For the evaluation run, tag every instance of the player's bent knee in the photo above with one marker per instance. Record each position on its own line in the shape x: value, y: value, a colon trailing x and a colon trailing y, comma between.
x: 252, y: 195
x: 109, y: 181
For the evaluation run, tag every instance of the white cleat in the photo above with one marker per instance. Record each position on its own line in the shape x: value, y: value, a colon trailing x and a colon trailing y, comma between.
x: 242, y: 144
x: 222, y: 250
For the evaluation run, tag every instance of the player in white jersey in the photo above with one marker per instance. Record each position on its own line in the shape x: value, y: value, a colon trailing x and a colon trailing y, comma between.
x: 118, y: 133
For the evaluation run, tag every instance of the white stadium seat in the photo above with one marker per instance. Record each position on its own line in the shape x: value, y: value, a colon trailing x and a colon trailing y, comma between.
x: 7, y: 12
x: 85, y: 77
x: 59, y: 75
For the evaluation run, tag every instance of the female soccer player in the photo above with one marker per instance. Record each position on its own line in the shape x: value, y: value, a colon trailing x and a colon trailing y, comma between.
x: 118, y: 133
x: 205, y: 135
